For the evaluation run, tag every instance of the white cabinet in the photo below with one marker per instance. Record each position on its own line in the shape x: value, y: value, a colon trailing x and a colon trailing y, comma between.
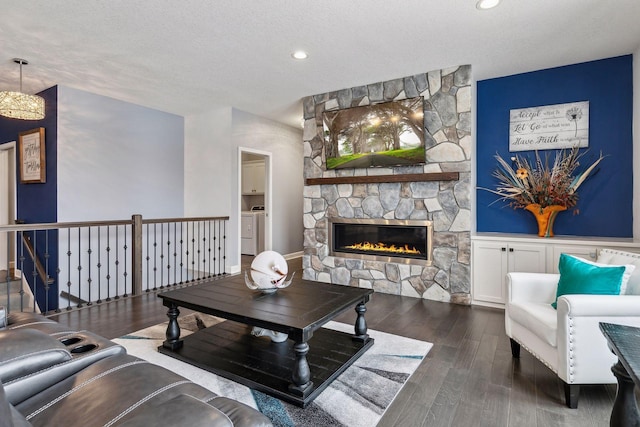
x: 493, y: 255
x: 493, y: 260
x: 253, y: 178
x: 583, y: 251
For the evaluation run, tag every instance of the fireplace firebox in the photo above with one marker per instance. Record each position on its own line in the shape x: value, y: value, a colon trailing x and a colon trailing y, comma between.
x: 401, y: 241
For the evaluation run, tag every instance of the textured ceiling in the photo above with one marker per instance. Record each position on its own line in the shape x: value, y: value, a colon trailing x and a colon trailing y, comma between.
x: 191, y: 56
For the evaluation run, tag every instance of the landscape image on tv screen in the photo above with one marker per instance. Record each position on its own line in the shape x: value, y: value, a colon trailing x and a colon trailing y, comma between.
x: 378, y: 135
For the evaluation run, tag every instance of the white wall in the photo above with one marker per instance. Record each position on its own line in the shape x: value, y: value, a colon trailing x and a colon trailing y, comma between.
x: 286, y: 148
x: 211, y: 173
x: 116, y: 159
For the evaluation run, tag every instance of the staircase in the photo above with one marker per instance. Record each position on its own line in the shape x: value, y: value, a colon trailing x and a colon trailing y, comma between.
x: 12, y: 300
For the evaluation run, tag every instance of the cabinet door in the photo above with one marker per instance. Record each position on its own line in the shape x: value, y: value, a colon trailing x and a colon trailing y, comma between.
x: 489, y: 270
x: 526, y: 258
x: 253, y: 178
x: 258, y: 178
x: 247, y: 179
x: 586, y: 252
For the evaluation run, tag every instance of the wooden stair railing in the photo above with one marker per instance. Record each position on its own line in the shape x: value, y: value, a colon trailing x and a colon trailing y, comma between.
x: 74, y: 299
x: 39, y: 267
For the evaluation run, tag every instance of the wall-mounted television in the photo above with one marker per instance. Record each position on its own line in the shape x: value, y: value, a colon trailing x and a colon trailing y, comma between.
x: 377, y: 135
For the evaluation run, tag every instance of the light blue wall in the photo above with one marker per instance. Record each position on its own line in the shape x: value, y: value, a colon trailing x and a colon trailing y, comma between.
x: 116, y: 159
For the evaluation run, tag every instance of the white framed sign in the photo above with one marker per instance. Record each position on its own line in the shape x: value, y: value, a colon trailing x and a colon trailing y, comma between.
x: 549, y: 127
x: 32, y: 156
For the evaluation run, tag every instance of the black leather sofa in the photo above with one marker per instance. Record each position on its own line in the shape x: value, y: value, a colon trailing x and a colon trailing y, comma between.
x: 52, y: 376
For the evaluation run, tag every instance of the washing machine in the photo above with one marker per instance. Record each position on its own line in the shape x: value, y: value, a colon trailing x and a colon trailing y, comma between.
x: 252, y: 231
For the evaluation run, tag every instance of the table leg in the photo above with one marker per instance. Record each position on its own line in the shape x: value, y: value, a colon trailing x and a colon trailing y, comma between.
x: 361, y: 323
x: 625, y: 408
x: 301, y: 375
x: 173, y: 341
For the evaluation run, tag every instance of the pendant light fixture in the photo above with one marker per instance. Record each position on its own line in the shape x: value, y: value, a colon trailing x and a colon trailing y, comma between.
x: 19, y: 105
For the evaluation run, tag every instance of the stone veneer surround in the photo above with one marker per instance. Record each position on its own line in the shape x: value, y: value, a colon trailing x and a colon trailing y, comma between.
x: 447, y: 122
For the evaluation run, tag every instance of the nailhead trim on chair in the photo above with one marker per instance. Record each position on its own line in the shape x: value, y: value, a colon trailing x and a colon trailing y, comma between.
x: 143, y: 400
x: 571, y: 370
x: 78, y: 387
x: 537, y: 356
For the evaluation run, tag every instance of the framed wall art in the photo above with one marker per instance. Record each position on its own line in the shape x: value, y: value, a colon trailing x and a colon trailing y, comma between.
x: 376, y: 135
x: 549, y: 127
x: 32, y: 159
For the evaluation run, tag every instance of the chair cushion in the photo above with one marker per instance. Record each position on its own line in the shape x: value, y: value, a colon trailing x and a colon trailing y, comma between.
x: 580, y: 277
x: 539, y: 318
x: 615, y: 257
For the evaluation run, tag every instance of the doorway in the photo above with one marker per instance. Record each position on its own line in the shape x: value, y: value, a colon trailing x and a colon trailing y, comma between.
x: 7, y: 203
x: 254, y: 202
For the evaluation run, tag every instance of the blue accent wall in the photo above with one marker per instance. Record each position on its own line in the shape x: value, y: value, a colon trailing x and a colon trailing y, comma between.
x: 37, y: 203
x: 605, y: 204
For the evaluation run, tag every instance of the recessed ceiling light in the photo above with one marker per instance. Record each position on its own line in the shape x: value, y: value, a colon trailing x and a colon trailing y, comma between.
x: 487, y: 4
x: 299, y: 54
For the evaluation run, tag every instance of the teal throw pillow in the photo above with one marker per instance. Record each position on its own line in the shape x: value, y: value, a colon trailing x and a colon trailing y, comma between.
x: 580, y: 277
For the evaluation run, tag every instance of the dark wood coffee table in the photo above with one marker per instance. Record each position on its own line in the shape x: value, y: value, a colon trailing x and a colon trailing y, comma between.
x: 624, y: 342
x: 296, y: 370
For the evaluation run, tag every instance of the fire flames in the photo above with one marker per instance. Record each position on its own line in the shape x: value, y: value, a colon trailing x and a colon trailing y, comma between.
x: 382, y: 247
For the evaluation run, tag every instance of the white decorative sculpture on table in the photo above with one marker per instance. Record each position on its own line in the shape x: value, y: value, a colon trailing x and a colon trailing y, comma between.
x: 268, y: 274
x: 274, y: 335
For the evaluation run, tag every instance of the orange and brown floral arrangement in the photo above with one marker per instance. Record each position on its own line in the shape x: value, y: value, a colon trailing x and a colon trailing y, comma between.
x: 540, y: 189
x: 526, y: 183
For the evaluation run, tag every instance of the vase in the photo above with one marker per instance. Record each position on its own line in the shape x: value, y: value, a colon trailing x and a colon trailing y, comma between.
x: 545, y: 217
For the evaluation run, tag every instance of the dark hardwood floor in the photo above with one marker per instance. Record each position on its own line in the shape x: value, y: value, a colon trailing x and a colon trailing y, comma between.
x: 468, y: 378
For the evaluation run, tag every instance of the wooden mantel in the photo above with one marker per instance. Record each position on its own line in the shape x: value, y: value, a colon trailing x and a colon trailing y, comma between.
x: 372, y: 179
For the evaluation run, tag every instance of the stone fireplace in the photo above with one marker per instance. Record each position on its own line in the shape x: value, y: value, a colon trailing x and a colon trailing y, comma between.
x: 435, y: 196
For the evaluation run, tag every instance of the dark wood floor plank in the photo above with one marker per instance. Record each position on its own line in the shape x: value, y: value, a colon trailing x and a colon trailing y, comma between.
x: 476, y: 324
x: 470, y: 408
x: 501, y: 370
x: 466, y: 354
x: 417, y: 401
x: 598, y: 396
x: 443, y: 409
x: 522, y: 405
x: 547, y: 418
x: 485, y: 355
x: 457, y: 331
x: 496, y: 408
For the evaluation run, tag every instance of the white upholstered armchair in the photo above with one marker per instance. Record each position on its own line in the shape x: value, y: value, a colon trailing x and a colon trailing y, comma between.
x: 568, y: 339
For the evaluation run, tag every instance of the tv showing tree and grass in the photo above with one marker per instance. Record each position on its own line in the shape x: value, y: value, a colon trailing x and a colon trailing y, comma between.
x: 378, y: 135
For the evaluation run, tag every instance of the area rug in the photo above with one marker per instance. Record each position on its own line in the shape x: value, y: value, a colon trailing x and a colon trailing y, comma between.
x: 358, y: 397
